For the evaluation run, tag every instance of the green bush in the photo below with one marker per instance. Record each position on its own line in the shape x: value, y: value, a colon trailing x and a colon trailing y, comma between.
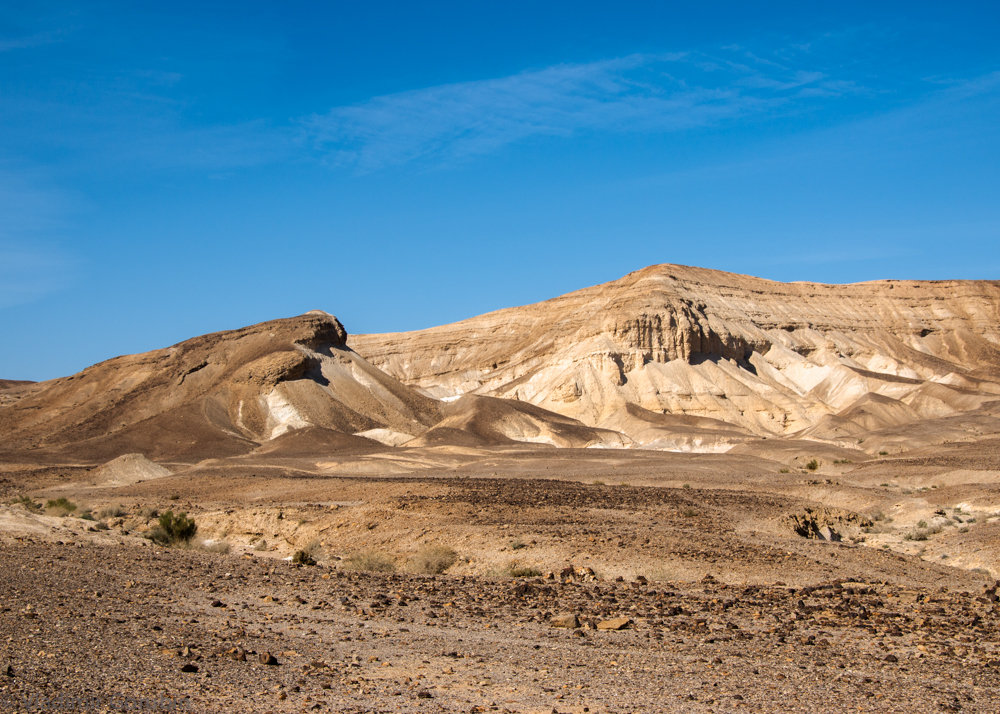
x: 812, y: 465
x: 172, y: 530
x: 434, y: 559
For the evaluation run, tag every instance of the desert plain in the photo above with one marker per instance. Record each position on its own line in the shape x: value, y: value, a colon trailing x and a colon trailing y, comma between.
x: 685, y: 490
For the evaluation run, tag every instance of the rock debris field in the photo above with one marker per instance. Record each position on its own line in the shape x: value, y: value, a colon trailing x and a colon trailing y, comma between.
x: 90, y: 627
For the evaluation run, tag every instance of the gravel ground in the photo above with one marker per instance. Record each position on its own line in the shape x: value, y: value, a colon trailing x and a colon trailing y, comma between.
x: 87, y: 627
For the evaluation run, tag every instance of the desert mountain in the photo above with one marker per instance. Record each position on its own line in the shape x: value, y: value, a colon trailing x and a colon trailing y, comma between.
x: 687, y: 358
x: 216, y: 395
x: 669, y: 358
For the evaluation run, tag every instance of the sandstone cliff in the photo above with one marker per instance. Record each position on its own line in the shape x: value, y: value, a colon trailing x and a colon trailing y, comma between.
x: 750, y: 356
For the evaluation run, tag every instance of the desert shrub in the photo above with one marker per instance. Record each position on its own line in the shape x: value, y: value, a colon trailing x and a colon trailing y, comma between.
x: 173, y: 530
x: 371, y: 561
x: 783, y: 471
x: 434, y: 559
x: 689, y: 512
x: 147, y: 512
x: 27, y: 504
x: 260, y: 545
x: 812, y: 465
x: 921, y: 524
x: 515, y: 570
x: 309, y: 554
x: 919, y: 534
x: 86, y: 514
x: 215, y: 546
x: 883, y: 453
x: 111, y: 512
x: 61, y: 506
x: 517, y: 544
x: 686, y: 486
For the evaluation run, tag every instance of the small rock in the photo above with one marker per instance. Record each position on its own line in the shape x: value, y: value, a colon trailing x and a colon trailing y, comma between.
x: 189, y: 667
x: 616, y: 623
x: 9, y: 671
x: 568, y: 621
x: 268, y: 659
x: 891, y: 658
x: 424, y: 694
x: 218, y: 603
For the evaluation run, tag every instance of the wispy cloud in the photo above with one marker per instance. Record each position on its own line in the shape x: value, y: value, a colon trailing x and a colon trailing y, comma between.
x: 8, y: 44
x: 641, y: 92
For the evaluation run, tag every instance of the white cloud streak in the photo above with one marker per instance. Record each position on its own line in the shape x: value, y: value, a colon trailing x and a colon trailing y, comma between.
x: 660, y: 93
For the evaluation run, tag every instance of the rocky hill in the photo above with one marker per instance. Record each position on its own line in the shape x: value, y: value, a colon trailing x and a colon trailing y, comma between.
x: 215, y: 395
x: 668, y: 358
x: 689, y: 358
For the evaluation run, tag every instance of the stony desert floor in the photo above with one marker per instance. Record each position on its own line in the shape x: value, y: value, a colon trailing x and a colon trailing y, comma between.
x: 583, y: 580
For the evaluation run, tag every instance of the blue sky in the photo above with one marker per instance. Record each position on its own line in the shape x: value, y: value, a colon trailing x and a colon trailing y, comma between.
x: 171, y: 169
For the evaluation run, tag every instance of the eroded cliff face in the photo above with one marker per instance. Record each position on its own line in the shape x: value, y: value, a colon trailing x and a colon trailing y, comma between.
x: 764, y: 357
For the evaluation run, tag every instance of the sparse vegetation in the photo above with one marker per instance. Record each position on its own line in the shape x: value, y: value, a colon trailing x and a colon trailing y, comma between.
x: 27, y: 504
x: 783, y: 471
x: 515, y: 570
x: 883, y: 453
x: 111, y: 512
x: 434, y: 560
x: 61, y: 506
x: 517, y: 544
x: 689, y: 512
x: 260, y: 545
x: 372, y: 561
x: 812, y: 465
x: 923, y: 531
x: 173, y: 530
x: 147, y: 512
x: 309, y: 554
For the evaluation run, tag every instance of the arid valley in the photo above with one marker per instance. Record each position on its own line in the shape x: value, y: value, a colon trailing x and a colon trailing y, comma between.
x: 684, y: 490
